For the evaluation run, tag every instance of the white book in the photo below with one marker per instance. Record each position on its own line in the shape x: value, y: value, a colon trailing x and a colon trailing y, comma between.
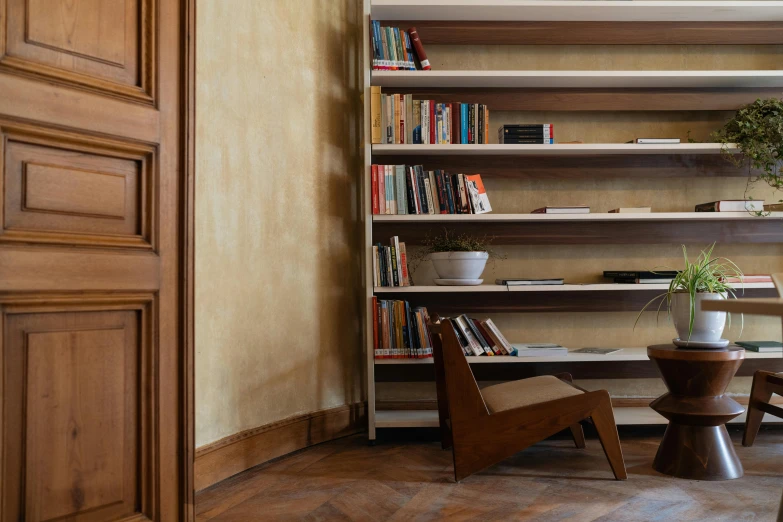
x: 657, y: 141
x: 428, y: 193
x: 562, y: 210
x: 435, y: 199
x: 538, y: 350
x: 494, y: 330
x: 474, y: 344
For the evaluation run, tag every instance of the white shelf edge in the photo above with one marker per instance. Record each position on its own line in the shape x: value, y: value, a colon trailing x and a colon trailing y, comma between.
x: 564, y: 149
x: 581, y: 11
x: 598, y: 216
x: 628, y: 416
x: 626, y: 354
x: 587, y: 287
x: 569, y: 79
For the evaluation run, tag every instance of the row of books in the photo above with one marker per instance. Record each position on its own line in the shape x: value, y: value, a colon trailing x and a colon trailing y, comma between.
x: 409, y: 189
x: 480, y: 337
x: 527, y: 134
x: 394, y: 49
x: 399, y: 119
x: 390, y: 264
x: 400, y: 331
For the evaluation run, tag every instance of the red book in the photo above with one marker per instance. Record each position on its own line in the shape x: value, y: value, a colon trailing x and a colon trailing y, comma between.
x: 374, y: 189
x: 418, y: 48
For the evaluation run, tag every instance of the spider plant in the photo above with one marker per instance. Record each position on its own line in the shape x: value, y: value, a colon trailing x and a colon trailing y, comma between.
x: 707, y: 274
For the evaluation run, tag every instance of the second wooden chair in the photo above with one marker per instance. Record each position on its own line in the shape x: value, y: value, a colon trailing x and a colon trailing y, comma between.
x: 486, y: 426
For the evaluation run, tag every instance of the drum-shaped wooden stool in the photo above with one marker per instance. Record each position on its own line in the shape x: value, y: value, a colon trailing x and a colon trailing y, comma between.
x: 696, y: 444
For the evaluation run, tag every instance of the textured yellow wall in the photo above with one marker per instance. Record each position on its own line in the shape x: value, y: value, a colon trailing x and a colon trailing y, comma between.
x: 277, y: 236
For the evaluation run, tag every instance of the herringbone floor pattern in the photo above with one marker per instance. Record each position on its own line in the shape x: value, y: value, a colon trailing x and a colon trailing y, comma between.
x: 552, y: 481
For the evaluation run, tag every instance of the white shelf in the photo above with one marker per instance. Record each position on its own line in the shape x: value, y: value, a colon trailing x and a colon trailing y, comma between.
x: 526, y: 218
x: 579, y: 79
x: 579, y: 11
x: 623, y: 416
x: 598, y: 287
x: 626, y: 354
x: 566, y: 149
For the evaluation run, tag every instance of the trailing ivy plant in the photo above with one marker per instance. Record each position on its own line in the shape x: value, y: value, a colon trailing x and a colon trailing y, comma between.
x: 757, y: 129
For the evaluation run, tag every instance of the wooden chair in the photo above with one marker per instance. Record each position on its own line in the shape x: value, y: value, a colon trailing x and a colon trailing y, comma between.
x: 764, y: 383
x: 483, y: 427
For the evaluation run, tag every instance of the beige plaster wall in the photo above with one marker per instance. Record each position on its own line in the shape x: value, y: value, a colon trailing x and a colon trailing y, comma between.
x: 277, y: 236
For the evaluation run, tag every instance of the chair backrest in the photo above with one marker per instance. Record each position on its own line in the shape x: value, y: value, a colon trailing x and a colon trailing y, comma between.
x: 459, y: 397
x: 778, y: 280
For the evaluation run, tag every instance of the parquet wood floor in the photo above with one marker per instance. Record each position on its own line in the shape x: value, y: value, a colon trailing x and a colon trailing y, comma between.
x: 552, y: 481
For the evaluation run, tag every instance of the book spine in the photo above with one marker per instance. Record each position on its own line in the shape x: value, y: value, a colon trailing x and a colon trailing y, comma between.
x: 395, y: 242
x: 435, y: 206
x: 407, y: 340
x: 389, y: 271
x: 433, y: 123
x: 463, y: 194
x: 394, y: 269
x: 471, y: 124
x: 375, y: 266
x: 374, y: 189
x: 486, y: 125
x: 428, y: 193
x: 381, y: 189
x: 416, y: 122
x: 419, y: 49
x: 455, y: 122
x: 479, y: 339
x: 463, y: 116
x: 410, y: 186
x: 402, y: 199
x: 404, y: 265
x: 408, y: 118
x: 422, y: 193
x: 425, y: 127
x: 375, y: 111
x: 442, y: 202
x: 497, y: 350
x: 480, y: 124
x: 496, y: 332
x: 375, y: 345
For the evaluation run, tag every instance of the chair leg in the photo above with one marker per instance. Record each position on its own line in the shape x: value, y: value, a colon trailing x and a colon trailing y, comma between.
x: 579, y: 435
x: 759, y: 392
x: 603, y: 419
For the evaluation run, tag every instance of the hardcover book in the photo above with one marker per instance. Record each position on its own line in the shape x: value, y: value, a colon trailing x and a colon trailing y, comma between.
x: 732, y: 205
x: 562, y: 210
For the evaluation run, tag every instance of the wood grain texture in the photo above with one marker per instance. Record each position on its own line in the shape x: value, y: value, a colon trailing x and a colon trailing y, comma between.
x: 696, y: 444
x: 90, y: 267
x: 593, y: 233
x: 449, y: 32
x: 582, y: 167
x: 348, y: 480
x: 237, y: 453
x: 765, y: 383
x: 573, y: 100
x: 103, y: 45
x: 447, y: 303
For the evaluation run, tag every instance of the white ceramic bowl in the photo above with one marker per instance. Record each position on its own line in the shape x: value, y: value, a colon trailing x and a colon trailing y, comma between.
x: 459, y: 265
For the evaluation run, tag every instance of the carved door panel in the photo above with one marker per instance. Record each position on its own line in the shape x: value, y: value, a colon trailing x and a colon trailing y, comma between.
x: 90, y: 186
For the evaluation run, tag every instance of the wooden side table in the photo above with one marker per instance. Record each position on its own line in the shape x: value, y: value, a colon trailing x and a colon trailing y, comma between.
x: 696, y: 444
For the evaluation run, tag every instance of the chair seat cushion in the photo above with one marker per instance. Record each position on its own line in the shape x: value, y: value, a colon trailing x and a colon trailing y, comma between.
x: 525, y: 392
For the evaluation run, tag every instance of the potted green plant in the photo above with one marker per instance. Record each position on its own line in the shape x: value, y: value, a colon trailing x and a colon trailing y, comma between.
x: 757, y: 130
x: 459, y: 259
x: 707, y: 278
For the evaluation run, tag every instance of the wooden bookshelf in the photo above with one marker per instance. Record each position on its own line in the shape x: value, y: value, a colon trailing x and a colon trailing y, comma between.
x: 509, y: 22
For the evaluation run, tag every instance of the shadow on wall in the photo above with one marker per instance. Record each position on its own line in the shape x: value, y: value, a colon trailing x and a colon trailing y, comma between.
x: 339, y: 135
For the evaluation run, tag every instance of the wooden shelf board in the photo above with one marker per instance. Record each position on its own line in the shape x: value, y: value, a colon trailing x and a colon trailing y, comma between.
x: 623, y: 416
x: 487, y: 299
x: 626, y: 354
x: 587, y: 287
x: 575, y: 10
x: 565, y: 149
x: 538, y: 218
x: 588, y: 229
x: 540, y: 79
x: 772, y: 307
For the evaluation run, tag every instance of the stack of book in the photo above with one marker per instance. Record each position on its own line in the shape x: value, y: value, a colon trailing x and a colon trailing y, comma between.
x: 480, y: 337
x: 732, y: 205
x: 399, y: 119
x: 761, y: 346
x: 641, y: 276
x: 528, y: 282
x: 527, y: 133
x: 400, y: 331
x: 395, y: 50
x: 578, y: 209
x: 409, y: 189
x: 390, y: 264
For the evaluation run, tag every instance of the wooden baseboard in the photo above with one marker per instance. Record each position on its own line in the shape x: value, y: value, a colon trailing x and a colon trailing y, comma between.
x: 236, y: 453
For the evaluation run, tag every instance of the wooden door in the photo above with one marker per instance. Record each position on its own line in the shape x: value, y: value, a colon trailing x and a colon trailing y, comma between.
x: 90, y: 239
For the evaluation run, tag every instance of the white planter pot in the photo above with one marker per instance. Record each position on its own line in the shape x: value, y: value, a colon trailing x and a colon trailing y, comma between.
x: 707, y: 326
x: 459, y: 265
